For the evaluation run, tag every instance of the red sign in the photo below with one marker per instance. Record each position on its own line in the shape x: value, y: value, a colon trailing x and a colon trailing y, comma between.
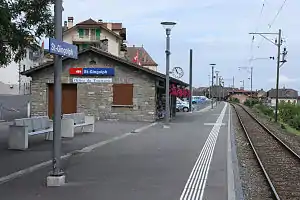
x: 75, y: 71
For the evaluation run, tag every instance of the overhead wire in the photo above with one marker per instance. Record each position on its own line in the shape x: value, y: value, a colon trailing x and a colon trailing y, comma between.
x: 256, y: 30
x: 274, y: 19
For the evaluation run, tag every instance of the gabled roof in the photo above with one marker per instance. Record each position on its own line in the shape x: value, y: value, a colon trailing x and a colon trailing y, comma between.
x: 110, y: 56
x: 144, y: 56
x: 283, y: 93
x: 93, y: 23
x: 89, y: 22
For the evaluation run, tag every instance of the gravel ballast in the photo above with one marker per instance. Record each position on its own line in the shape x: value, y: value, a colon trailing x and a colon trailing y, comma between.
x: 254, y: 184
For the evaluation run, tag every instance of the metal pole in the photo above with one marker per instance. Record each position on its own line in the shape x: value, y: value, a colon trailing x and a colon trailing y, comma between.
x: 277, y: 74
x: 191, y: 79
x: 57, y: 94
x: 209, y: 94
x: 251, y: 82
x: 20, y: 77
x: 223, y: 91
x: 168, y: 32
x: 233, y: 82
x: 212, y: 85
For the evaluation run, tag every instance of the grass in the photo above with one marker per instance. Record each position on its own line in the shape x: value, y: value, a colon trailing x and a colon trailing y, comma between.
x: 287, y: 127
x: 291, y: 129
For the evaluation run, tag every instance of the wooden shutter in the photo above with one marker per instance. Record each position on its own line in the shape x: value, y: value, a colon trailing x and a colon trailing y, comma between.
x: 80, y: 32
x: 123, y: 94
x: 98, y: 31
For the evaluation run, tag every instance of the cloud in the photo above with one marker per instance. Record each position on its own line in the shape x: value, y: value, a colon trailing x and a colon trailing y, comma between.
x: 284, y: 79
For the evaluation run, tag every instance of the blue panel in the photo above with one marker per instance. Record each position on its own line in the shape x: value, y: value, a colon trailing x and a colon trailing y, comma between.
x: 62, y: 48
x: 99, y: 71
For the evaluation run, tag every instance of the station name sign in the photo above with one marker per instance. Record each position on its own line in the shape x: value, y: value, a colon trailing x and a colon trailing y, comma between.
x: 92, y: 71
x: 62, y: 48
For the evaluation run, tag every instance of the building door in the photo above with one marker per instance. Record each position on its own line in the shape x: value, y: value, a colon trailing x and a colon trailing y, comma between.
x: 69, y: 99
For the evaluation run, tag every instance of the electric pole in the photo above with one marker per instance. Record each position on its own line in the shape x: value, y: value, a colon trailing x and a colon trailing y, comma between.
x: 277, y: 74
x: 277, y: 43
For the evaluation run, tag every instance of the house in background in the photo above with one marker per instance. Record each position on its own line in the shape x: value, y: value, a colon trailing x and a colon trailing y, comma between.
x: 140, y: 56
x: 10, y: 74
x: 284, y: 95
x: 109, y: 37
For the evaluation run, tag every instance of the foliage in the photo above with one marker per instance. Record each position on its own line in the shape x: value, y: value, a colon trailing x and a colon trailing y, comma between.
x: 289, y: 113
x: 234, y: 100
x: 251, y: 102
x: 264, y: 109
x: 21, y: 22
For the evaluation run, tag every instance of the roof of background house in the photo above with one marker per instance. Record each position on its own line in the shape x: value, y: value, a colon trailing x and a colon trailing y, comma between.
x: 108, y: 55
x: 91, y: 22
x: 283, y: 93
x: 144, y: 57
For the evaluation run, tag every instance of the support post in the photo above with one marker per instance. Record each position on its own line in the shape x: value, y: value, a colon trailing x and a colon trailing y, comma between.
x: 57, y: 177
x: 277, y: 74
x: 191, y: 80
x: 212, y: 85
x: 168, y: 32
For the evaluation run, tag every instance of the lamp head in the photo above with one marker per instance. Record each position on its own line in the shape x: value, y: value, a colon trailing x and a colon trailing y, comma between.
x: 168, y: 25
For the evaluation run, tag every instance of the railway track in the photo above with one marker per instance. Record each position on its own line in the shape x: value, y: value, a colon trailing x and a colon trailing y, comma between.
x: 279, y: 163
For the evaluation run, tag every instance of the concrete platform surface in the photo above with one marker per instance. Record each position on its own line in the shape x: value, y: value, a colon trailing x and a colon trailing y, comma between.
x: 186, y: 161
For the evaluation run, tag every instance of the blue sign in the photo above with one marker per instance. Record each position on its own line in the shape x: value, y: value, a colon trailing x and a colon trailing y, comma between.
x: 98, y: 71
x: 62, y: 48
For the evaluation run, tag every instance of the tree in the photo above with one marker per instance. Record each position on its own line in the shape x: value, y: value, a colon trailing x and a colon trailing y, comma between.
x: 22, y: 22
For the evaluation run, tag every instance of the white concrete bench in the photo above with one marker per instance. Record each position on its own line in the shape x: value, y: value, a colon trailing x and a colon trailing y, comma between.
x: 21, y: 129
x: 79, y: 120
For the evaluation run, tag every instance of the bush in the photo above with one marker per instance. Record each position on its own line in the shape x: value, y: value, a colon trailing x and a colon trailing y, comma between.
x: 265, y: 109
x: 295, y: 122
x: 288, y: 111
x: 234, y: 100
x: 251, y: 102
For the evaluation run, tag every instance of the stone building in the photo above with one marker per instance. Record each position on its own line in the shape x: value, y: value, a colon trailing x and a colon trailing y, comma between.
x: 100, y: 84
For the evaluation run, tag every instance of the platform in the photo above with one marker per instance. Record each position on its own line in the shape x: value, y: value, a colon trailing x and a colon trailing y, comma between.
x: 155, y: 163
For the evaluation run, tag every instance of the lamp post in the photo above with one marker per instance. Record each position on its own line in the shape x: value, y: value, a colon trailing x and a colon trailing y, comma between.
x: 168, y: 26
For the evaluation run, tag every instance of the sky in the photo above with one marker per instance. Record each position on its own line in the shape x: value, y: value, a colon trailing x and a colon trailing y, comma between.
x: 216, y: 30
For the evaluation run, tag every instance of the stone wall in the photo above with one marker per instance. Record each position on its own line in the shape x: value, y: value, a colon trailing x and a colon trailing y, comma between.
x: 96, y: 99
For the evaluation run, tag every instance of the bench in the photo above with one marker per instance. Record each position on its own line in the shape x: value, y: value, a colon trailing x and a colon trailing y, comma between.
x: 21, y: 129
x: 80, y: 120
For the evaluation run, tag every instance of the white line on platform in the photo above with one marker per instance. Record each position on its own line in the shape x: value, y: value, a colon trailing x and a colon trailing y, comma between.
x: 87, y: 149
x: 230, y: 174
x: 214, y: 124
x: 195, y: 185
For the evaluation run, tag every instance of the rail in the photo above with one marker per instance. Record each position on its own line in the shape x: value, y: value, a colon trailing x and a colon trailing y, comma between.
x: 263, y: 148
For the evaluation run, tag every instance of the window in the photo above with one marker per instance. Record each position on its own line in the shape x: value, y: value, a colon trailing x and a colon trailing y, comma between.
x: 123, y: 94
x: 86, y: 32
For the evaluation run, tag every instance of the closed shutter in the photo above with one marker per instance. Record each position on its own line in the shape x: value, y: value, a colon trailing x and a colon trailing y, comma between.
x: 80, y: 32
x: 85, y: 46
x: 98, y: 31
x: 123, y: 94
